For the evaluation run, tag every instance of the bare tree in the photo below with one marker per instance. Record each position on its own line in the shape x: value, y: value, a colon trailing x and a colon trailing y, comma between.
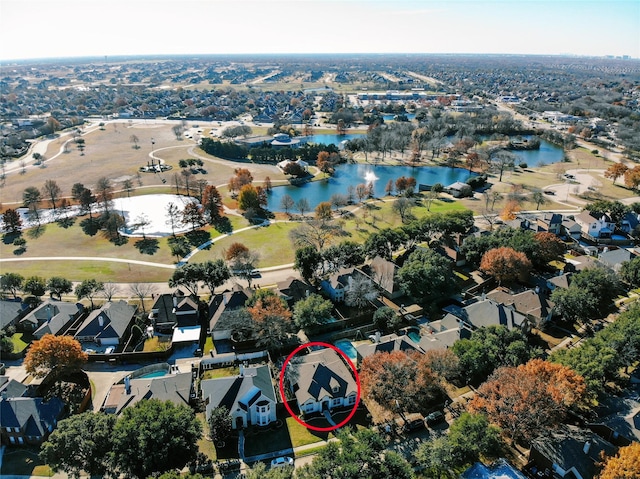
x: 109, y: 290
x: 303, y: 206
x: 52, y: 191
x: 142, y: 290
x: 127, y: 185
x: 135, y: 140
x: 173, y: 217
x: 403, y: 206
x: 360, y: 292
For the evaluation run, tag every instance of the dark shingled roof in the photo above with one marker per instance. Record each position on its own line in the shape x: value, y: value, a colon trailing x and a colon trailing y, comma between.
x: 32, y: 415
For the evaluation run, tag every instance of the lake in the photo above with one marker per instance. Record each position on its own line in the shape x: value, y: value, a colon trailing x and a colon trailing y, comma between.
x: 354, y: 174
x: 546, y: 155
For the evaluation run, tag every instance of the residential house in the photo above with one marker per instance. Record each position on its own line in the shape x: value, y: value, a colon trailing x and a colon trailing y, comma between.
x: 293, y: 290
x: 383, y: 273
x: 171, y: 310
x: 570, y: 228
x: 550, y: 223
x: 562, y: 280
x: 614, y: 258
x: 580, y: 263
x: 107, y: 326
x: 570, y: 452
x: 249, y: 396
x: 321, y: 381
x: 10, y: 313
x: 220, y: 321
x: 177, y: 388
x: 10, y: 388
x: 337, y: 284
x: 531, y: 303
x: 595, y: 227
x: 27, y: 420
x: 51, y: 317
x: 385, y: 344
x: 630, y: 223
x: 488, y: 312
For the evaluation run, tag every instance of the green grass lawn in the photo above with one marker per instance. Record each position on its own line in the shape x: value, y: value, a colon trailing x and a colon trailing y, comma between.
x: 301, y: 435
x: 23, y: 461
x: 157, y: 344
x: 271, y: 243
x: 266, y: 441
x: 221, y: 372
x: 20, y: 342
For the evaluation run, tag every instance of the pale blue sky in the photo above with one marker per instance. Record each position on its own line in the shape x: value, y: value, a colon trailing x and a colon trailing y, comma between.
x: 61, y: 28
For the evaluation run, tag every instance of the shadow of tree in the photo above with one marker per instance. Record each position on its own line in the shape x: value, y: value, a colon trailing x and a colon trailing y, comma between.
x: 9, y: 238
x: 36, y: 232
x: 90, y: 226
x: 197, y: 237
x: 147, y: 246
x: 66, y: 222
x: 223, y: 225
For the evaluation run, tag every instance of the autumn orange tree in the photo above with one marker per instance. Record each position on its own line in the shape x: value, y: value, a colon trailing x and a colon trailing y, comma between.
x: 530, y: 398
x: 54, y: 354
x: 550, y: 247
x: 615, y: 171
x: 271, y: 317
x: 505, y: 264
x: 396, y: 383
x: 632, y: 177
x: 235, y: 250
x: 624, y: 465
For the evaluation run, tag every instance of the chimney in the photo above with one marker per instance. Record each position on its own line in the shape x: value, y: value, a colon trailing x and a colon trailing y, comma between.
x: 587, y: 446
x: 100, y: 320
x: 127, y: 384
x: 377, y: 336
x: 241, y: 371
x: 175, y: 302
x: 537, y: 289
x: 48, y: 313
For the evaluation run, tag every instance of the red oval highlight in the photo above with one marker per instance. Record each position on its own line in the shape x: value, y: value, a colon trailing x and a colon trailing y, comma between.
x: 286, y: 404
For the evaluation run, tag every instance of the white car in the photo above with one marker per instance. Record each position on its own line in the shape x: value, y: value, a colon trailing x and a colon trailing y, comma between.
x: 282, y: 461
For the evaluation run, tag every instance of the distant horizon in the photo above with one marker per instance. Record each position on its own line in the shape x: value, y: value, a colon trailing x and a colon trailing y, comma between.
x: 41, y: 29
x: 108, y: 58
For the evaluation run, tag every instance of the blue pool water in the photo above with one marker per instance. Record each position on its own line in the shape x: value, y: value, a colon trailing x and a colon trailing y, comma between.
x: 154, y: 374
x: 347, y: 347
x: 414, y: 336
x: 501, y: 470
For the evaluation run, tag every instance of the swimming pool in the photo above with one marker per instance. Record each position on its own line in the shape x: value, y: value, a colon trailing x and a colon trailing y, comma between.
x: 414, y: 335
x: 347, y: 347
x: 499, y: 470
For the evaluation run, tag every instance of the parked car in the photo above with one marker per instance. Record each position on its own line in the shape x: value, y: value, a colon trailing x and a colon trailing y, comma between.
x: 414, y: 425
x: 549, y: 192
x: 434, y: 418
x: 282, y: 461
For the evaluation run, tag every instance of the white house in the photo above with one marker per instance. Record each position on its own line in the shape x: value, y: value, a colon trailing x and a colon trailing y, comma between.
x: 249, y: 396
x: 601, y: 227
x: 322, y: 381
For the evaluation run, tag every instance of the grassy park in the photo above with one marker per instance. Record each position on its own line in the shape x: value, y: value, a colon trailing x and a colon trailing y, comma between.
x: 111, y: 153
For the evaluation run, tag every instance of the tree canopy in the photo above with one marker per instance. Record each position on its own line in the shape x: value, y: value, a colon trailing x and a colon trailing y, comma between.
x: 312, y: 311
x: 80, y: 444
x: 529, y: 398
x: 357, y: 456
x: 55, y: 354
x: 398, y: 383
x: 489, y: 348
x: 624, y: 465
x: 427, y: 275
x: 153, y: 437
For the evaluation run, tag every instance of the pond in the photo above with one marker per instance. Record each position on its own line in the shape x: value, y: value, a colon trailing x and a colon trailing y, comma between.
x: 354, y: 174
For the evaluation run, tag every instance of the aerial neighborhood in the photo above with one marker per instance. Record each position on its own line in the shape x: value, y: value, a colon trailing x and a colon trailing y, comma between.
x: 411, y: 267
